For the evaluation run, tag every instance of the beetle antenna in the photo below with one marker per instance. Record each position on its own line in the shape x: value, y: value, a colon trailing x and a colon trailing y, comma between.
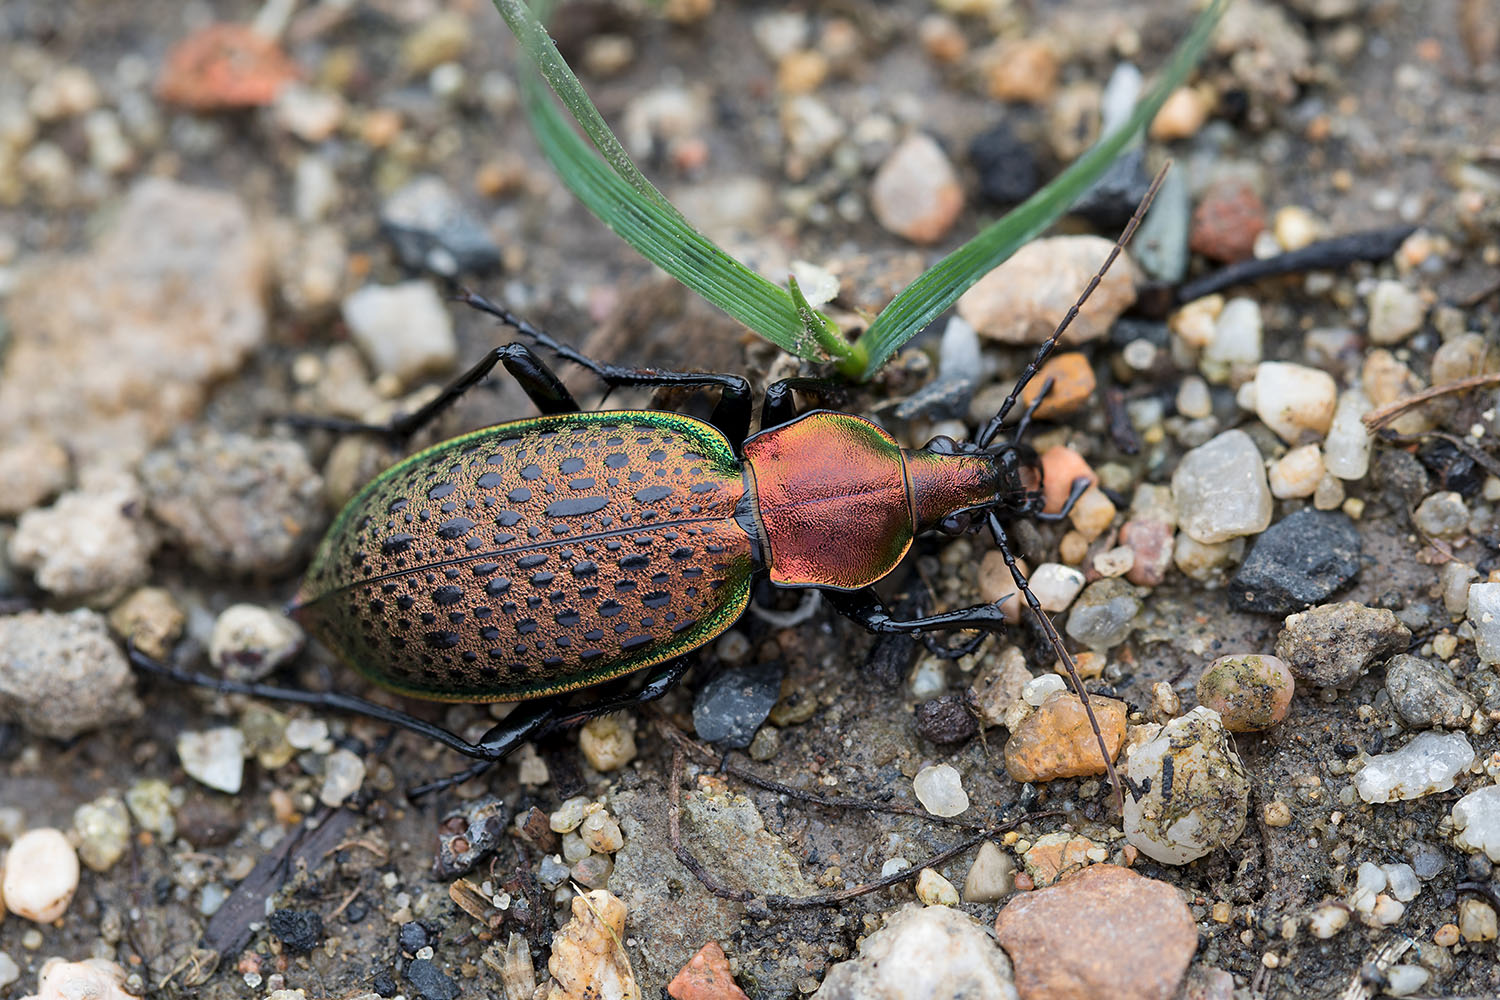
x: 993, y: 427
x: 1002, y: 541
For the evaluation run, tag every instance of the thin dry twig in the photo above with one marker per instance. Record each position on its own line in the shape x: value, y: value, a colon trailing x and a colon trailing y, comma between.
x: 777, y: 901
x: 1376, y: 419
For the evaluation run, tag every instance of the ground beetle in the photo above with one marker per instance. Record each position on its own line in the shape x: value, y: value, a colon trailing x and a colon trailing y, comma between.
x: 526, y: 560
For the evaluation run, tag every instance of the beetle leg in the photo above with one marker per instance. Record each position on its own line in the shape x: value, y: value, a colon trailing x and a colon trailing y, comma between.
x: 867, y: 611
x: 731, y: 415
x: 780, y: 405
x: 1079, y: 488
x: 539, y: 382
x: 1025, y: 422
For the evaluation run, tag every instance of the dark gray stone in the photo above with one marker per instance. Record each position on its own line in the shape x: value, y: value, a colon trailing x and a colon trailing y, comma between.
x: 732, y: 705
x: 1425, y: 695
x: 1297, y: 562
x: 298, y: 930
x: 431, y: 230
x: 430, y: 982
x: 467, y: 836
x: 1006, y: 165
x: 946, y: 721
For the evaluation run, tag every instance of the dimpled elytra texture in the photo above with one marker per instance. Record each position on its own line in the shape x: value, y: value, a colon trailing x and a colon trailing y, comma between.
x: 535, y: 557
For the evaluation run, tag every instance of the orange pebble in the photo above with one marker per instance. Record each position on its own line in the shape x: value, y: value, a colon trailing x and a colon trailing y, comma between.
x: 1060, y: 466
x: 706, y: 977
x: 1072, y: 384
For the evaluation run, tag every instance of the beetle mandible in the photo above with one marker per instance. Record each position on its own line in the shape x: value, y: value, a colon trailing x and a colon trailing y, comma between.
x: 523, y: 561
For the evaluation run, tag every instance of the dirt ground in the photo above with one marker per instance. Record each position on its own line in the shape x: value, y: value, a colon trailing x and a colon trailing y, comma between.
x: 1387, y: 121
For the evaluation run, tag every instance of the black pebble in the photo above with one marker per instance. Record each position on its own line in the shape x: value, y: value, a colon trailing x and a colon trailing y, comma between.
x: 412, y: 937
x: 384, y: 983
x: 1113, y: 199
x: 945, y: 721
x: 1006, y: 165
x: 429, y: 982
x: 1297, y: 562
x: 356, y: 911
x: 298, y: 930
x: 733, y: 704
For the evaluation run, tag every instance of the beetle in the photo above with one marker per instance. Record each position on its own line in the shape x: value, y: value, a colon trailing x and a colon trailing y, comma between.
x: 529, y: 559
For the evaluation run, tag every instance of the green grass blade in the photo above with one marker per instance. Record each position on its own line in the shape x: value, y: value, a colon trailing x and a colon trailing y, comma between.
x: 927, y: 297
x: 667, y: 240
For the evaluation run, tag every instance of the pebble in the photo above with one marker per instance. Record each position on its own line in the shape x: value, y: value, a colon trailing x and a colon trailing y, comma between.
x: 811, y: 130
x: 1229, y: 216
x: 923, y: 953
x: 236, y: 504
x: 1442, y: 515
x: 998, y: 586
x: 1237, y: 343
x: 1006, y: 165
x: 1404, y: 980
x: 440, y: 38
x: 1150, y: 543
x: 706, y: 977
x: 1424, y: 694
x: 1220, y: 489
x: 1251, y: 692
x: 1476, y: 920
x: 151, y: 619
x: 249, y: 642
x: 299, y: 931
x: 929, y: 678
x: 343, y: 773
x: 62, y: 675
x: 1401, y: 879
x: 1182, y: 114
x: 1061, y: 466
x: 999, y: 685
x: 992, y: 876
x: 1327, y: 921
x: 40, y: 875
x: 103, y: 829
x: 1056, y: 741
x: 1332, y: 645
x: 946, y: 721
x: 312, y: 114
x: 1299, y: 561
x: 179, y: 274
x: 151, y: 801
x: 1198, y: 792
x: 431, y: 228
x: 1022, y: 70
x: 1329, y: 494
x: 216, y: 757
x: 934, y: 890
x: 1476, y: 822
x: 1206, y: 563
x: 1295, y: 227
x: 1297, y: 474
x: 1396, y: 312
x: 940, y: 789
x: 224, y: 65
x: 1484, y: 615
x: 1193, y: 400
x: 1293, y: 399
x: 33, y: 468
x: 1056, y: 585
x: 430, y: 982
x: 1429, y: 763
x: 608, y: 744
x: 9, y: 970
x: 1023, y: 300
x: 587, y: 960
x: 732, y: 705
x: 1161, y: 243
x: 91, y: 979
x: 1092, y: 514
x: 601, y: 833
x: 404, y: 330
x: 1455, y: 578
x: 1104, y: 614
x: 93, y: 544
x: 1041, y: 931
x: 1073, y: 383
x: 916, y: 193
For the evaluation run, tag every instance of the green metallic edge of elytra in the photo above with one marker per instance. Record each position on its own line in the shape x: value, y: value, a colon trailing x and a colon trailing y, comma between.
x: 716, y: 450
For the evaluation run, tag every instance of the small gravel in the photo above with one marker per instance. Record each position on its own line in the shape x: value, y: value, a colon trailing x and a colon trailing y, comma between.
x: 1332, y: 645
x: 1299, y: 561
x: 1429, y: 763
x: 1220, y: 490
x: 40, y: 875
x: 940, y: 789
x: 1194, y: 793
x: 61, y: 675
x: 1424, y: 694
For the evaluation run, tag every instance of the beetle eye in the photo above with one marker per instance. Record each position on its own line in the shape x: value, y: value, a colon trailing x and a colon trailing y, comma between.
x: 954, y: 524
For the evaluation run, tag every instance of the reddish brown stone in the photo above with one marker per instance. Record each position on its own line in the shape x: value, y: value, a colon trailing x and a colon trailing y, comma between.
x: 1227, y: 221
x: 1072, y: 384
x: 1057, y: 741
x: 224, y: 66
x: 1105, y: 932
x: 706, y: 977
x: 1151, y: 542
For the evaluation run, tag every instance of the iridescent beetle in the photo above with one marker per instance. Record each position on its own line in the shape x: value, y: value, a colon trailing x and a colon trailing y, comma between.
x: 523, y: 561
